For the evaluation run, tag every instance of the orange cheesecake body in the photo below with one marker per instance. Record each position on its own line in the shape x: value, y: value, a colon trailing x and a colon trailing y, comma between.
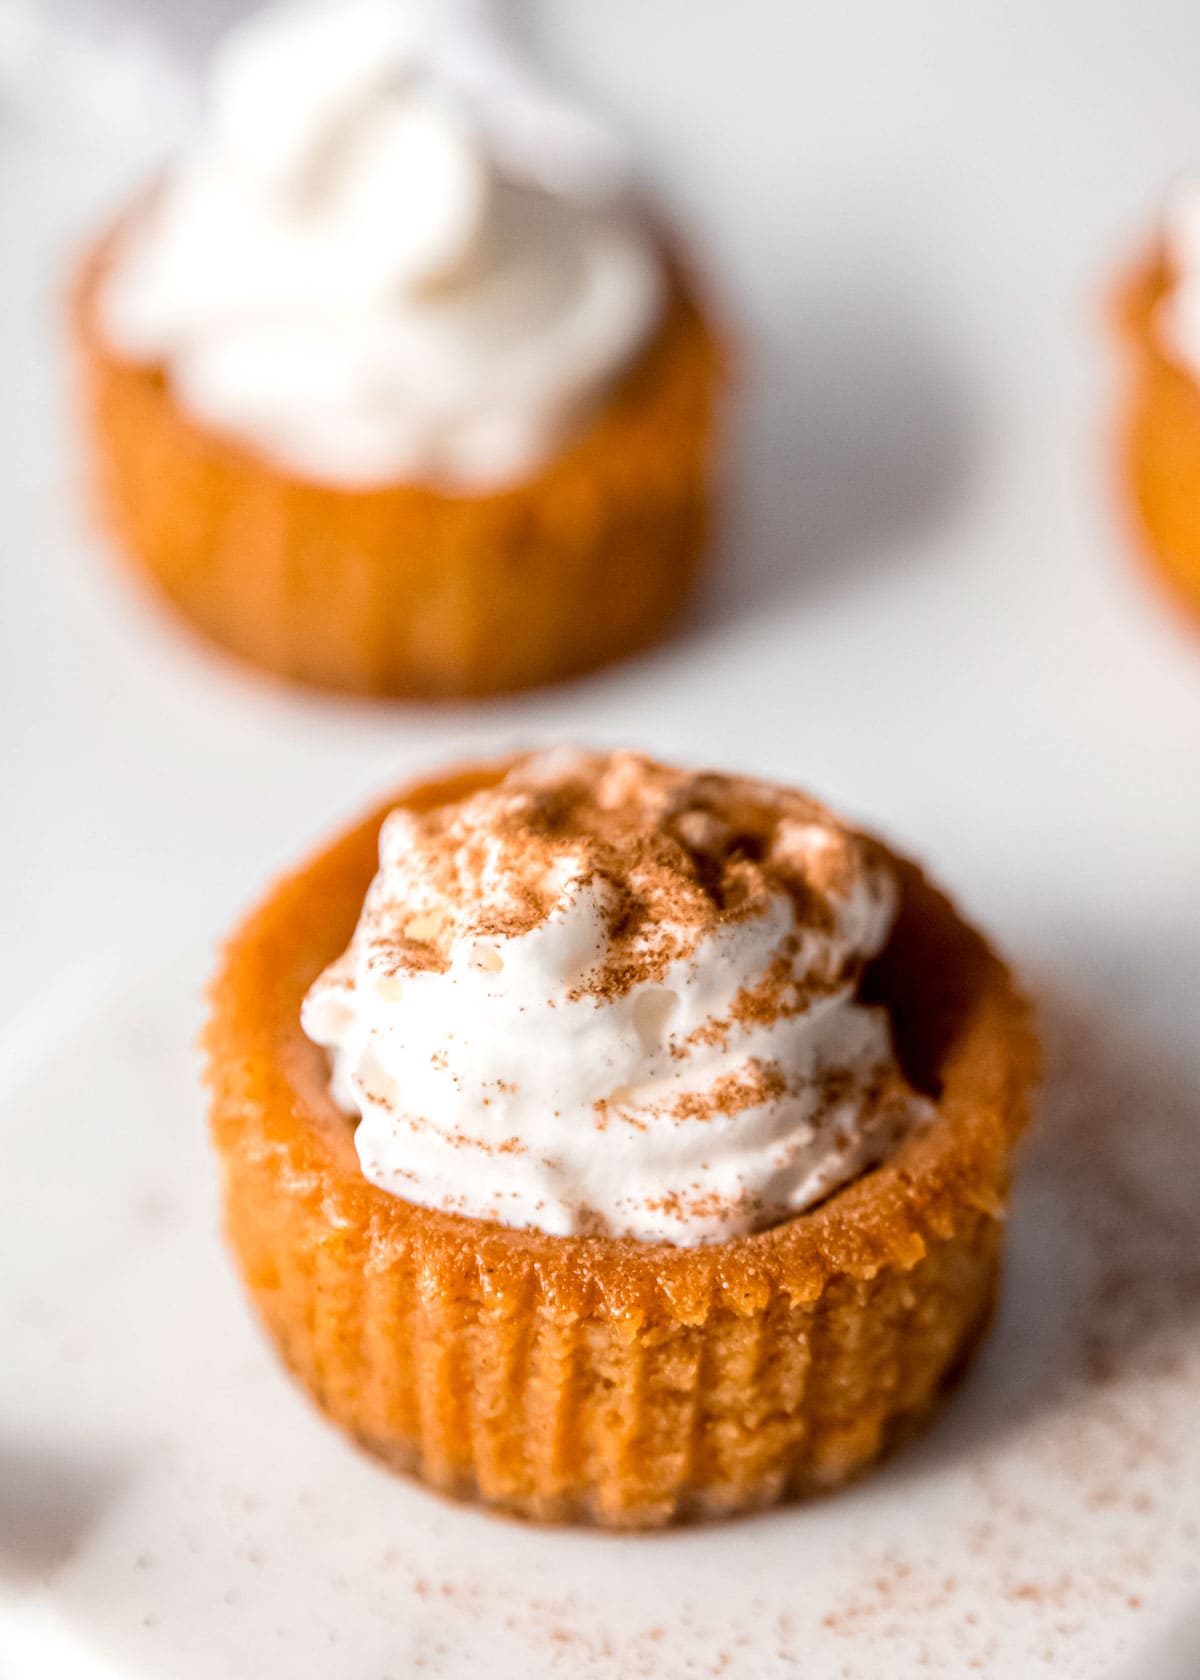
x: 405, y: 589
x: 597, y: 1379
x: 1161, y: 436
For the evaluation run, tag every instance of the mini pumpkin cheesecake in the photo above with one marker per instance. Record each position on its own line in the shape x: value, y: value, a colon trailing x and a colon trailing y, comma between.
x: 614, y: 1144
x: 1158, y: 319
x: 391, y: 383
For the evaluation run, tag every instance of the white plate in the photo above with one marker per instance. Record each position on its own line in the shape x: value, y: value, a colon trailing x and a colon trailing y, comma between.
x: 176, y: 1509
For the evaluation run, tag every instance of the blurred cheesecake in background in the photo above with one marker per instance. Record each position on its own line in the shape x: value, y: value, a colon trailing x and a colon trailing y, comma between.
x: 392, y: 383
x: 1158, y: 316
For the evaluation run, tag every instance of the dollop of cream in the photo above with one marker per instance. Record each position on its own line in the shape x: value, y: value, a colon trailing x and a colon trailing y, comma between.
x: 389, y: 255
x: 606, y: 996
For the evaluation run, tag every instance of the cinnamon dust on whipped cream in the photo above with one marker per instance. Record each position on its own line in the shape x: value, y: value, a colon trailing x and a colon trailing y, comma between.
x: 603, y: 995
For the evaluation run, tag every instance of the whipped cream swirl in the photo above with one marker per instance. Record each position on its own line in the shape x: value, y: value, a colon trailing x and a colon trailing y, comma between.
x: 389, y: 255
x: 605, y: 996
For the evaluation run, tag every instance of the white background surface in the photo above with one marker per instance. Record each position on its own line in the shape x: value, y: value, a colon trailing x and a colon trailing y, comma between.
x: 923, y: 607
